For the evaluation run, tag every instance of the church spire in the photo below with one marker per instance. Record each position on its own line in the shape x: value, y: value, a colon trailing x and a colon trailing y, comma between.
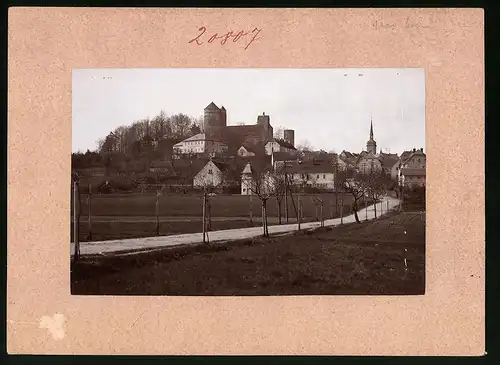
x: 371, y: 145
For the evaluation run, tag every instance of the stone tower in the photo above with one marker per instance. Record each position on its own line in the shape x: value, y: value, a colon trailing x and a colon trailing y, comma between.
x: 289, y: 136
x: 214, y: 120
x: 267, y: 130
x: 371, y: 145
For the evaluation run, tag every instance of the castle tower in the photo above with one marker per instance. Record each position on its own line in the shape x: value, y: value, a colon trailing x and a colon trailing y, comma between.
x: 223, y: 116
x: 267, y: 130
x: 289, y: 136
x: 371, y: 145
x: 214, y: 120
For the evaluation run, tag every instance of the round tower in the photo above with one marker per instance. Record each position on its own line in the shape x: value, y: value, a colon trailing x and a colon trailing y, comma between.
x: 289, y: 136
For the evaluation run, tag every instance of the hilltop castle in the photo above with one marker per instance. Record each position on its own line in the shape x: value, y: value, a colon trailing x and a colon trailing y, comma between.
x: 218, y: 137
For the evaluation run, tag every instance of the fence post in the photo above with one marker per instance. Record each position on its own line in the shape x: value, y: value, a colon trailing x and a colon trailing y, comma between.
x: 286, y: 197
x: 157, y: 212
x: 76, y: 237
x: 321, y: 212
x: 89, y: 204
x: 251, y: 209
x: 342, y: 210
x: 299, y: 210
x: 366, y: 207
x: 387, y: 205
x: 204, y: 214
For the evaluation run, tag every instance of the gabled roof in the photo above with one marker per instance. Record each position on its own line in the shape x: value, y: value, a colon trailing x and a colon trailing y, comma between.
x: 189, y: 168
x: 310, y: 166
x: 366, y: 155
x: 167, y: 166
x: 284, y: 143
x: 405, y: 155
x: 388, y: 160
x: 411, y: 155
x: 348, y: 156
x: 283, y: 156
x: 249, y: 149
x: 222, y: 166
x: 212, y: 106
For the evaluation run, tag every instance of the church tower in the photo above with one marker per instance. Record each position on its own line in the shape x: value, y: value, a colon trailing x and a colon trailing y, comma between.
x: 371, y: 145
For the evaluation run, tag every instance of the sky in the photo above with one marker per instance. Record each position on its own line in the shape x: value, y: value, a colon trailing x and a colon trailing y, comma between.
x: 330, y: 109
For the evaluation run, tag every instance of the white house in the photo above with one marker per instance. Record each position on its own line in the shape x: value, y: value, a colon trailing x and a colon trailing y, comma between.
x: 198, y: 144
x: 213, y: 174
x: 313, y: 173
x: 279, y: 145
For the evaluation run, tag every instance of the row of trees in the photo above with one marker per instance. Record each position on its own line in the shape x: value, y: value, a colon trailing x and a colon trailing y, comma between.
x: 360, y: 186
x: 147, y: 135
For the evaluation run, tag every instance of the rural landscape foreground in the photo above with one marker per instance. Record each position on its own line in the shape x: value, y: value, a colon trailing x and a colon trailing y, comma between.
x: 383, y: 256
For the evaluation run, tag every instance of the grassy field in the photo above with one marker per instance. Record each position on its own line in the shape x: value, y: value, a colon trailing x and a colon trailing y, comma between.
x: 177, y: 206
x: 366, y: 258
x: 191, y: 205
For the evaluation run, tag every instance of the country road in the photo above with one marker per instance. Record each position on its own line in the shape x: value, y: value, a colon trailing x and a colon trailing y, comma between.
x: 155, y: 243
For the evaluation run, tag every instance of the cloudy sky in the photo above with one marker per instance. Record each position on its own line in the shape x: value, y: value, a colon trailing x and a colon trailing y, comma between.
x: 328, y: 108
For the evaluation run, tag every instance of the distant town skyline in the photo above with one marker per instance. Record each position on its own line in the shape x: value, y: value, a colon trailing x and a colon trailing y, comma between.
x: 330, y: 109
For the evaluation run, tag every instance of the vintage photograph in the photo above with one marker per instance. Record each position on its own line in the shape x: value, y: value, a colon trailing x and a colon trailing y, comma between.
x: 248, y: 182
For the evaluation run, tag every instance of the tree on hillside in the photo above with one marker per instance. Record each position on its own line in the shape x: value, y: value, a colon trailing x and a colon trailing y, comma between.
x: 279, y: 132
x: 181, y: 125
x: 199, y: 122
x: 304, y: 146
x: 195, y: 130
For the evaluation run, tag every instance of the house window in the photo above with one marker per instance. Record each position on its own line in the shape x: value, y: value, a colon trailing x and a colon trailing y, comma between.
x: 317, y: 176
x: 210, y: 171
x: 324, y: 176
x: 244, y: 190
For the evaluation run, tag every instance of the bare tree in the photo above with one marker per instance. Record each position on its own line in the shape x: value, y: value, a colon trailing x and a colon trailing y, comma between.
x: 280, y: 189
x: 351, y: 182
x: 375, y: 183
x: 264, y: 187
x: 304, y: 146
x: 279, y: 132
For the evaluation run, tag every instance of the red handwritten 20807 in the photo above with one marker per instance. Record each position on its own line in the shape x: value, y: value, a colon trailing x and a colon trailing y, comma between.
x: 250, y: 37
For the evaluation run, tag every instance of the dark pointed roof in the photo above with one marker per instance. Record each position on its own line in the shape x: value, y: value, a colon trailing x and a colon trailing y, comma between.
x: 212, y: 106
x: 222, y: 108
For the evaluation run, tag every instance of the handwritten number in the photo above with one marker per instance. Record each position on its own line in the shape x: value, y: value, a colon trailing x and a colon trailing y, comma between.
x: 225, y: 37
x: 196, y: 39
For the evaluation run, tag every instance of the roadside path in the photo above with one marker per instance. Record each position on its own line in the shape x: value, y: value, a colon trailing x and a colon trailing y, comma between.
x: 152, y: 243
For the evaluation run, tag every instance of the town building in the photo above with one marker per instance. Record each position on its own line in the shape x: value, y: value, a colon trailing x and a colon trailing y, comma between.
x: 213, y: 174
x: 245, y: 151
x: 368, y: 160
x: 314, y: 173
x: 411, y: 170
x: 279, y: 145
x: 200, y: 144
